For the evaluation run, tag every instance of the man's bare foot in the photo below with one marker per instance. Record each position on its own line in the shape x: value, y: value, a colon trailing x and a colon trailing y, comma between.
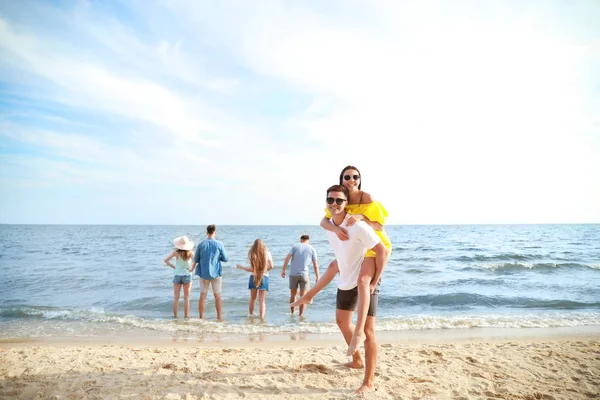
x: 364, y: 388
x: 355, y: 364
x: 300, y: 301
x: 355, y: 343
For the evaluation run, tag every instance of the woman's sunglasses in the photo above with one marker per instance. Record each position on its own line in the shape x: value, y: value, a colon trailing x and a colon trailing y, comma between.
x: 338, y: 201
x: 355, y: 177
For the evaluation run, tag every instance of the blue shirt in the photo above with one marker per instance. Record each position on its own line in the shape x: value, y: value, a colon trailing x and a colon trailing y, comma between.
x: 302, y: 255
x: 209, y: 255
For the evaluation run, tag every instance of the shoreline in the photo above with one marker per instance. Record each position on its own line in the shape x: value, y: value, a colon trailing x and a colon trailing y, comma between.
x: 430, y: 336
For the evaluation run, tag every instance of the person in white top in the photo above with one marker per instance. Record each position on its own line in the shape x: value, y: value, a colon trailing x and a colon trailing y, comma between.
x: 350, y: 254
x: 261, y: 262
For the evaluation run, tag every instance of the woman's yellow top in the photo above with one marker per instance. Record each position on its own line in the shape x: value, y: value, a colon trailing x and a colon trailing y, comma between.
x: 375, y: 212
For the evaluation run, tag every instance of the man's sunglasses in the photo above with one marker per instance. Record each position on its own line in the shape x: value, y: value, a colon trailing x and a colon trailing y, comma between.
x: 338, y: 201
x: 355, y: 177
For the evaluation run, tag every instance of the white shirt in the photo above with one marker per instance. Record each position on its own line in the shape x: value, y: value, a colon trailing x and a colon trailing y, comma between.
x: 350, y: 253
x: 269, y: 258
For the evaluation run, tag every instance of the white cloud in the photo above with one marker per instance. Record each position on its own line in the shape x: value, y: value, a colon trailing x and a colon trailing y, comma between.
x: 453, y: 113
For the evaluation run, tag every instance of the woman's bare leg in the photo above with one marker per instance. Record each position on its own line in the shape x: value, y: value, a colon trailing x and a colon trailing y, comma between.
x: 252, y: 301
x: 176, y: 291
x: 367, y: 271
x: 187, y: 288
x: 262, y: 303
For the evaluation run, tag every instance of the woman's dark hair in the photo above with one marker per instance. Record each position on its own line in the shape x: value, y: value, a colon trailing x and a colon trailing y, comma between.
x: 347, y: 168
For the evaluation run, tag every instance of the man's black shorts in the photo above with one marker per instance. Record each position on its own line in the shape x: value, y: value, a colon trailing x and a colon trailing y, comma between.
x: 347, y: 299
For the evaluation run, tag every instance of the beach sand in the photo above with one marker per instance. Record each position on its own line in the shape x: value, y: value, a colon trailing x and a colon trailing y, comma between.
x: 527, y: 368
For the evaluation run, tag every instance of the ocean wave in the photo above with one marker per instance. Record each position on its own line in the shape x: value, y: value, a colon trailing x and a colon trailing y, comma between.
x: 101, y: 324
x: 415, y: 271
x: 501, y: 267
x: 487, y: 321
x: 472, y: 300
x: 498, y: 257
x: 473, y: 282
x: 48, y: 312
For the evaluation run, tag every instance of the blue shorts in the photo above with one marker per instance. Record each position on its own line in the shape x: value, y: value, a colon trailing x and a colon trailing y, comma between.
x: 264, y: 283
x: 182, y: 279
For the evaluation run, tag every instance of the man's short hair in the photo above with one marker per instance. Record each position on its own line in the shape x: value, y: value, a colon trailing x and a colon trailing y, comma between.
x: 339, y: 188
x: 304, y: 237
x: 211, y: 229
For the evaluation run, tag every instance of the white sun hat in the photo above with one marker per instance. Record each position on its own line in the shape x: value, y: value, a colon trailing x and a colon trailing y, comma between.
x: 183, y: 243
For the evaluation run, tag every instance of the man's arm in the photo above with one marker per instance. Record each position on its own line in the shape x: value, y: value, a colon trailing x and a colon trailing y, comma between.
x: 316, y: 265
x: 341, y: 233
x: 196, y: 259
x: 352, y: 219
x: 285, y: 263
x: 223, y: 257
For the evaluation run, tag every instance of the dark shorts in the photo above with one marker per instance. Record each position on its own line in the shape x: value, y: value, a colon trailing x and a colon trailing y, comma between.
x: 264, y: 283
x: 347, y: 299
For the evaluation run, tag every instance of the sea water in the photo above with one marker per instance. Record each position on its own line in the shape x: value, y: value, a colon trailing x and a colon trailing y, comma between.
x: 109, y: 281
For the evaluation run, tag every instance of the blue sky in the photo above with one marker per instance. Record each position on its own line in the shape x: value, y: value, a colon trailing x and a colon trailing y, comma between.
x: 233, y: 112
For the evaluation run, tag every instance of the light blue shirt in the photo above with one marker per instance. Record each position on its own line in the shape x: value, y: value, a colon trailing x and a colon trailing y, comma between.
x: 209, y: 255
x: 302, y: 256
x: 182, y: 267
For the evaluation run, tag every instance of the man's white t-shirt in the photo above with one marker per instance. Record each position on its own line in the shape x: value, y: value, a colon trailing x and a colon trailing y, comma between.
x: 350, y: 253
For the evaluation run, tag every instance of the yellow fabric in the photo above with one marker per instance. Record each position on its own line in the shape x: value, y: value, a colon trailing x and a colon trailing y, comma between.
x: 375, y: 212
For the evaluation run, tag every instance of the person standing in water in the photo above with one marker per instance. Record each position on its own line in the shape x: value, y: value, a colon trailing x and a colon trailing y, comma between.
x: 182, y: 273
x: 350, y: 254
x: 301, y: 255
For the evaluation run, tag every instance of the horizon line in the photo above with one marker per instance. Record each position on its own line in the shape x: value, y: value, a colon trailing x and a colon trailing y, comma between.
x: 408, y: 224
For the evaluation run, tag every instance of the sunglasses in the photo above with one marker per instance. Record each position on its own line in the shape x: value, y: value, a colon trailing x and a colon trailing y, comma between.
x: 348, y: 177
x: 338, y: 201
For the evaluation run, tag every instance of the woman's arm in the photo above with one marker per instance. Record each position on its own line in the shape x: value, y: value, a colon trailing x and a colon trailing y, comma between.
x: 238, y: 266
x: 169, y: 258
x: 366, y: 199
x: 341, y: 233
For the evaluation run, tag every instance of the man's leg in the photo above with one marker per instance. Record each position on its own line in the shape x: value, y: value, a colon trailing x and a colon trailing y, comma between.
x: 293, y: 293
x: 302, y: 306
x: 370, y: 356
x: 343, y: 319
x: 218, y: 305
x: 201, y: 303
x: 323, y: 281
x: 202, y: 300
x: 217, y: 285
